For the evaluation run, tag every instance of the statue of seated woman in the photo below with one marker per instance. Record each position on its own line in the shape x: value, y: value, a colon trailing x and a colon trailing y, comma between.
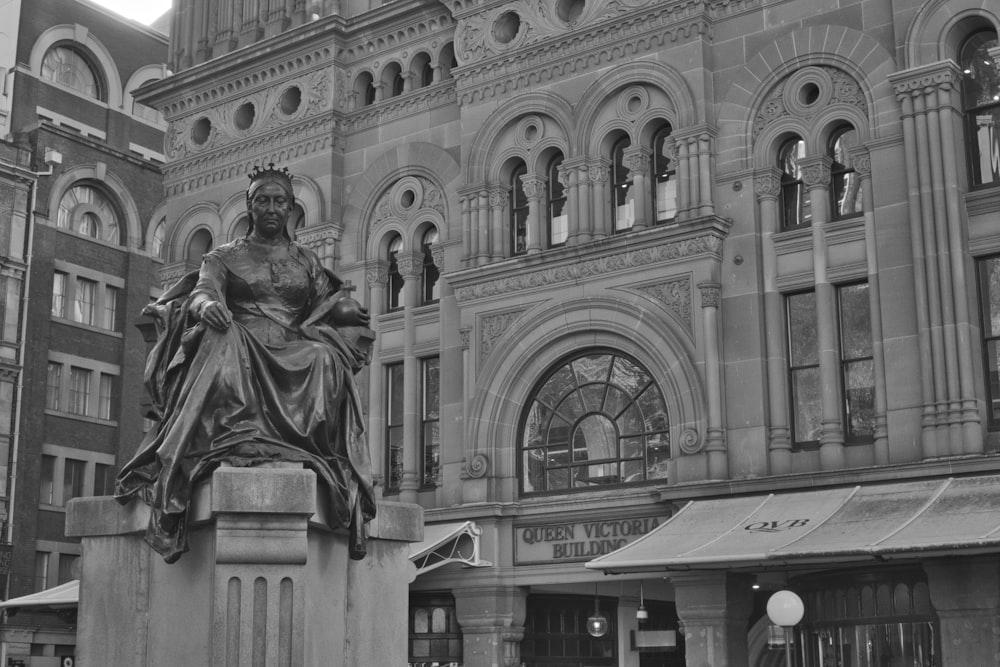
x: 254, y: 364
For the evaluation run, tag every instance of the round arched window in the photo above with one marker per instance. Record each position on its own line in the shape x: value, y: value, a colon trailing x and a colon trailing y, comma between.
x: 68, y: 67
x: 597, y: 419
x: 88, y: 211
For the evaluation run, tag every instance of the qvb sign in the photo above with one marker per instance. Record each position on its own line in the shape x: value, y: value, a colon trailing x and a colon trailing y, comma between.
x: 579, y: 541
x: 779, y: 526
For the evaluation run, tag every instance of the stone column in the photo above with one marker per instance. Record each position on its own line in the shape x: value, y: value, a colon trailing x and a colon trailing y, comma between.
x: 636, y: 160
x: 534, y: 190
x: 715, y: 441
x: 965, y: 593
x: 581, y: 203
x: 767, y: 186
x: 499, y: 238
x: 679, y: 153
x: 492, y: 621
x: 410, y: 265
x: 377, y: 275
x: 481, y: 216
x: 705, y: 179
x: 602, y: 220
x: 861, y: 162
x: 816, y: 176
x: 714, y: 609
x: 470, y: 240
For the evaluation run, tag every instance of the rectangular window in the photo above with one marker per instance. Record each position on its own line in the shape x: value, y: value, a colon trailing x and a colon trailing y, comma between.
x: 73, y: 474
x: 79, y: 390
x: 104, y: 396
x: 53, y: 386
x: 803, y: 366
x: 46, y: 483
x: 110, y: 321
x: 59, y: 284
x: 431, y: 431
x: 10, y: 309
x: 857, y: 364
x: 41, y: 570
x: 435, y: 635
x: 6, y: 409
x: 394, y: 426
x: 104, y: 479
x: 86, y: 298
x: 67, y: 568
x: 989, y: 300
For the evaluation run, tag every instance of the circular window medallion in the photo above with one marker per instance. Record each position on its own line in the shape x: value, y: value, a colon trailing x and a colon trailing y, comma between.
x: 530, y: 130
x: 406, y: 198
x: 201, y: 130
x: 633, y: 102
x: 243, y: 118
x: 290, y: 100
x: 569, y: 11
x: 506, y: 27
x: 807, y: 90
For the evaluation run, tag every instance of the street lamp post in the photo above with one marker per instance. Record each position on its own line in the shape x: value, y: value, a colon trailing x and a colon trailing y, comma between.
x: 785, y: 608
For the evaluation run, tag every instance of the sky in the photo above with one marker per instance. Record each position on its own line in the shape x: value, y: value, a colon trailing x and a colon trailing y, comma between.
x: 143, y: 11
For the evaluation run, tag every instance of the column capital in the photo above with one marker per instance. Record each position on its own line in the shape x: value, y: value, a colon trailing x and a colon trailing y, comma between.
x: 861, y: 161
x: 498, y: 196
x: 710, y: 294
x: 944, y: 74
x: 534, y: 186
x: 410, y: 263
x: 599, y: 170
x: 767, y: 183
x: 636, y: 159
x: 437, y: 254
x: 377, y: 272
x: 816, y: 171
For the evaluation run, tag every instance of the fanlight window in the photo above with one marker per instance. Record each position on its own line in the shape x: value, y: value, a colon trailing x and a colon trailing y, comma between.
x: 69, y: 68
x: 598, y: 419
x: 88, y: 211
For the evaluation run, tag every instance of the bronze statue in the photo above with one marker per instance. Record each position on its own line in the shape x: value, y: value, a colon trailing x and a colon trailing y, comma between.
x: 254, y: 363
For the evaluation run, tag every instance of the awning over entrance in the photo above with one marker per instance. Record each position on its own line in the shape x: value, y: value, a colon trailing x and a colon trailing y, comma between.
x: 64, y: 596
x: 883, y: 521
x: 448, y: 543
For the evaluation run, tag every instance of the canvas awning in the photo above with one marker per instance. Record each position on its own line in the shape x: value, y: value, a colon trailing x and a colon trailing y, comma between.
x: 447, y: 543
x: 880, y: 521
x: 64, y: 596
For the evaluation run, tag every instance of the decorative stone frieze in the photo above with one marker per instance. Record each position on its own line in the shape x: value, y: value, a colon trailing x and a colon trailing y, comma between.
x: 492, y: 327
x: 407, y: 197
x: 919, y: 80
x: 319, y: 238
x: 394, y: 108
x: 707, y: 244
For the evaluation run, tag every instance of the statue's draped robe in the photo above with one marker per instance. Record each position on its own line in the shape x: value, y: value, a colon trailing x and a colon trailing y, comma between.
x: 277, y: 385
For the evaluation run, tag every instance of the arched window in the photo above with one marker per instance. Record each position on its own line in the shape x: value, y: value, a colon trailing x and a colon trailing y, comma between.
x: 845, y: 186
x: 88, y: 211
x: 622, y: 192
x: 518, y: 211
x: 664, y: 178
x: 430, y: 273
x: 981, y: 102
x: 794, y: 204
x: 395, y: 292
x: 596, y: 419
x: 69, y: 67
x: 200, y: 243
x: 426, y: 74
x: 364, y: 89
x: 556, y: 200
x: 157, y: 244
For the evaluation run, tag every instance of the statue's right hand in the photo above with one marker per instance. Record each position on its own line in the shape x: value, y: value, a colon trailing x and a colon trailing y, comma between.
x: 215, y: 314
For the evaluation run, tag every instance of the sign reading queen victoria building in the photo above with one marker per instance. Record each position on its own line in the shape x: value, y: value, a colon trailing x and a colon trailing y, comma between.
x: 578, y: 541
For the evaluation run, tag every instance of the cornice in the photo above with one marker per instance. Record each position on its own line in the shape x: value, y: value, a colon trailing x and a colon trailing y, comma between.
x: 562, y: 55
x: 629, y: 251
x: 421, y: 100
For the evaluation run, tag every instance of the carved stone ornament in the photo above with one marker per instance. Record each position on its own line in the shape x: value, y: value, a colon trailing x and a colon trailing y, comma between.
x: 411, y: 264
x: 377, y: 272
x: 673, y: 295
x: 767, y: 186
x: 476, y: 466
x: 534, y: 187
x: 690, y: 442
x: 493, y: 327
x: 822, y: 86
x: 710, y: 294
x: 466, y: 335
x: 407, y: 197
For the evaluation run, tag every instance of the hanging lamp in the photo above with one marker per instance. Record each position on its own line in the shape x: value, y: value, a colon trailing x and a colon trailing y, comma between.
x: 597, y: 623
x: 641, y: 614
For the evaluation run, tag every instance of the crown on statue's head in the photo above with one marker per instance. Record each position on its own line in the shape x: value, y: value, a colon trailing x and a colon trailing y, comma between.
x: 259, y: 173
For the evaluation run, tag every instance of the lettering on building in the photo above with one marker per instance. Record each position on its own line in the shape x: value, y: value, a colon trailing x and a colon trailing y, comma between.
x: 579, y: 541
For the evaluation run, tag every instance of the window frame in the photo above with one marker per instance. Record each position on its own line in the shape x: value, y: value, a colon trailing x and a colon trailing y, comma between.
x: 100, y: 91
x: 394, y: 380
x: 75, y: 277
x: 430, y: 420
x: 792, y: 182
x: 663, y: 170
x: 431, y: 602
x: 843, y: 170
x: 395, y: 285
x: 969, y: 112
x: 988, y: 337
x: 52, y: 474
x: 430, y: 277
x: 555, y: 198
x: 519, y: 210
x: 623, y: 183
x: 58, y: 399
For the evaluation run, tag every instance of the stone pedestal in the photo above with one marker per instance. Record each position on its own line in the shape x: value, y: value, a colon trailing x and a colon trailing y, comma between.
x: 266, y: 582
x: 714, y: 610
x: 965, y: 593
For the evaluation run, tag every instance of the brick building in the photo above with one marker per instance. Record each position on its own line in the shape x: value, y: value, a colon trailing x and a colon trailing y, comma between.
x: 82, y: 201
x: 645, y: 275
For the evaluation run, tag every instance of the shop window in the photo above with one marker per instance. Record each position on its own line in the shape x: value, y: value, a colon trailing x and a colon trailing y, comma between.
x: 431, y: 275
x: 395, y: 292
x: 518, y: 211
x: 394, y: 427
x: 989, y: 300
x: 88, y: 211
x: 431, y: 421
x: 435, y: 639
x: 556, y: 204
x: 622, y: 192
x: 794, y: 201
x: 845, y: 186
x: 868, y: 620
x: 69, y: 67
x: 981, y: 103
x: 597, y: 419
x: 555, y: 632
x: 664, y: 178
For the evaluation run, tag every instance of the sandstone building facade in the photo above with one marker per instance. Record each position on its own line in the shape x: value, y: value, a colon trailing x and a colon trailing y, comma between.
x: 634, y: 265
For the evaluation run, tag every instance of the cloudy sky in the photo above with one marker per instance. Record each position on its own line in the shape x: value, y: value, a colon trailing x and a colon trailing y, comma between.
x: 143, y: 11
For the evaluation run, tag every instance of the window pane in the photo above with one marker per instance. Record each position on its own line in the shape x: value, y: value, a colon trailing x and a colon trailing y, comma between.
x: 431, y: 274
x: 802, y: 338
x: 104, y: 479
x: 79, y: 390
x: 518, y: 211
x: 46, y: 483
x: 59, y: 294
x: 53, y: 386
x: 110, y: 308
x: 67, y: 568
x: 67, y: 67
x: 6, y: 409
x: 83, y: 304
x: 807, y: 402
x: 73, y: 479
x: 859, y: 394
x: 558, y: 220
x: 993, y: 377
x: 11, y: 307
x: 41, y: 570
x: 855, y: 322
x: 990, y: 271
x: 104, y: 399
x: 981, y: 96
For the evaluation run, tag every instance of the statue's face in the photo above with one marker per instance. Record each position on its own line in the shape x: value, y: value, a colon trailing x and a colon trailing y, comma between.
x: 270, y: 207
